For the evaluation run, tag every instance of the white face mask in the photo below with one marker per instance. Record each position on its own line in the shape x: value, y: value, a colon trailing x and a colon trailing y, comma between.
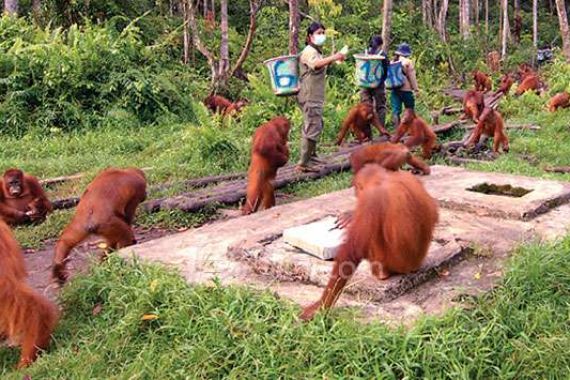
x: 319, y: 39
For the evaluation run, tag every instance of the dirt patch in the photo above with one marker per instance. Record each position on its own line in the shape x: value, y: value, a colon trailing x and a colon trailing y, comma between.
x: 38, y: 261
x: 493, y: 189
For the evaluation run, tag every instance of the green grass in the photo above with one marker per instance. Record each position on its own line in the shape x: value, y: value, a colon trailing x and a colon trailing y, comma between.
x: 519, y: 331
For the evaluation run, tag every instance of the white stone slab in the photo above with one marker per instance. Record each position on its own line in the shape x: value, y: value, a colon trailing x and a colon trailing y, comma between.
x: 320, y: 238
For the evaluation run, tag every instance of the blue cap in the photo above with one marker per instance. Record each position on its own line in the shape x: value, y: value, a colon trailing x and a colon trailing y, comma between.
x: 404, y: 50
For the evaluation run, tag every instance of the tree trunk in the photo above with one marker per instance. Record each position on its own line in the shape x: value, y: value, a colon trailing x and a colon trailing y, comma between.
x: 224, y: 46
x: 429, y: 12
x: 464, y: 18
x: 505, y: 31
x: 205, y: 8
x: 36, y: 9
x: 564, y: 31
x: 476, y: 13
x: 441, y: 20
x: 387, y: 23
x: 535, y: 23
x: 293, y: 26
x: 186, y: 32
x: 254, y: 7
x: 11, y: 7
x: 517, y: 28
x: 487, y: 18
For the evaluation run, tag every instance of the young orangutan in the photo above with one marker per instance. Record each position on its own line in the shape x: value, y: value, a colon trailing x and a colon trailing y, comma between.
x: 358, y: 121
x: 482, y: 81
x: 22, y: 198
x: 392, y: 228
x: 106, y: 208
x: 27, y: 318
x: 490, y: 124
x: 560, y: 100
x: 506, y: 84
x: 269, y: 152
x: 420, y: 133
x: 388, y: 155
x: 219, y: 104
x: 531, y: 82
x: 473, y: 104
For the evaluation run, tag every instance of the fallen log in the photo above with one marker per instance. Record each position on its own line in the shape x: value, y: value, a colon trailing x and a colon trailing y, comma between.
x: 448, y: 126
x: 530, y: 127
x: 74, y: 177
x: 229, y: 192
x: 234, y: 192
x: 462, y: 161
x: 558, y: 169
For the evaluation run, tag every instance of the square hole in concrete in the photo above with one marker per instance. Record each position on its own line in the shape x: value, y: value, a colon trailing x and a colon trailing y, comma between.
x: 503, y: 190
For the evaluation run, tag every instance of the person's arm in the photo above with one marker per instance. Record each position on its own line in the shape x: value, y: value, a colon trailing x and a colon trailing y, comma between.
x: 312, y: 59
x: 411, y: 74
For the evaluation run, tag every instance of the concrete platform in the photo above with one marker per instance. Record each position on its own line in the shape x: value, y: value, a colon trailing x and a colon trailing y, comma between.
x: 449, y: 186
x: 250, y: 249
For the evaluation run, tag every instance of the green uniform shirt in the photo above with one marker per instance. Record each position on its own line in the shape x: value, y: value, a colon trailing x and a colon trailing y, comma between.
x: 312, y: 80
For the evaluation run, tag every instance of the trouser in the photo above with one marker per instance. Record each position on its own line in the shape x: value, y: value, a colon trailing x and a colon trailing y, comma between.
x: 311, y: 131
x: 376, y: 97
x: 397, y: 98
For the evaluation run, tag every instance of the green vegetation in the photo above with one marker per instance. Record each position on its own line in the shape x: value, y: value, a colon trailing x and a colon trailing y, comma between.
x: 520, y: 331
x: 100, y: 83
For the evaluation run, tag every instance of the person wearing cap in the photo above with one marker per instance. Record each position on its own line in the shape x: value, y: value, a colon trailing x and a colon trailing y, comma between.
x: 312, y: 72
x: 404, y: 94
x: 377, y: 96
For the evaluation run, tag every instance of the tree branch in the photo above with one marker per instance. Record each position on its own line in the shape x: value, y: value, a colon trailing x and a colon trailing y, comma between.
x: 195, y: 37
x: 254, y: 7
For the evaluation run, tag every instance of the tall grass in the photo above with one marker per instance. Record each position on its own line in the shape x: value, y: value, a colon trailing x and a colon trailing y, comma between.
x: 519, y: 331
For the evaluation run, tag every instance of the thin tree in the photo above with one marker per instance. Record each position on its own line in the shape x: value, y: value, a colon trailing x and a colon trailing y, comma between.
x: 505, y: 31
x: 564, y: 31
x: 11, y: 7
x: 221, y: 68
x: 486, y: 17
x: 185, y: 32
x: 464, y: 18
x: 36, y: 9
x: 386, y: 23
x: 441, y: 19
x: 517, y: 21
x: 294, y: 19
x: 535, y: 24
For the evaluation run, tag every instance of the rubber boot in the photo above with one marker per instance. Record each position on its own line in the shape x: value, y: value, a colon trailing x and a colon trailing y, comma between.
x: 314, y: 158
x: 307, y: 148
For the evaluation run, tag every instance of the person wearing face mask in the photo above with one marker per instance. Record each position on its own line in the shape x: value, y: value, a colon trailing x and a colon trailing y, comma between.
x: 311, y: 97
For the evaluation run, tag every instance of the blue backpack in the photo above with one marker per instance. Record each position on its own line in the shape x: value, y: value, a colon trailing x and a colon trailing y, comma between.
x: 395, y: 78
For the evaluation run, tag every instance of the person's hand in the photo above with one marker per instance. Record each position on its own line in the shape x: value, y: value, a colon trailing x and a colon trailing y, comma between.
x: 339, y: 57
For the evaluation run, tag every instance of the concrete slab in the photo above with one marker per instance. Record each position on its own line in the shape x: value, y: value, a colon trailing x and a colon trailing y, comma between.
x: 320, y: 239
x: 449, y: 186
x: 250, y: 249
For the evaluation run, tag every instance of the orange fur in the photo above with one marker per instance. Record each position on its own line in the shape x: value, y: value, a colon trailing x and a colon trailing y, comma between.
x: 560, y: 100
x: 473, y: 104
x: 494, y: 61
x: 269, y: 152
x: 530, y: 83
x: 388, y: 155
x: 419, y: 131
x: 490, y: 124
x: 106, y: 208
x: 219, y: 104
x: 392, y: 228
x: 506, y: 84
x: 482, y: 81
x: 359, y: 121
x: 22, y: 198
x: 27, y: 318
